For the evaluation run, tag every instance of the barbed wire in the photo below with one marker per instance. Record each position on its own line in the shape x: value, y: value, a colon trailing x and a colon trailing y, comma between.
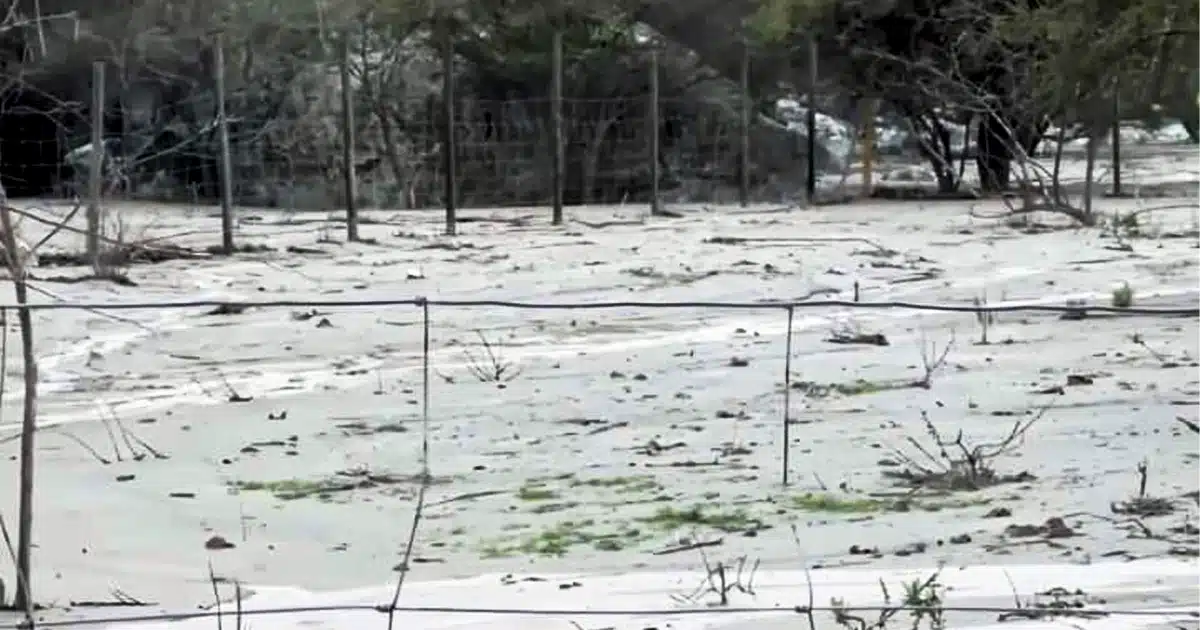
x: 598, y: 612
x: 610, y: 305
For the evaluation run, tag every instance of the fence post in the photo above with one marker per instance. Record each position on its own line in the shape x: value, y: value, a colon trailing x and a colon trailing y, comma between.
x: 811, y: 120
x: 96, y: 170
x: 226, y: 175
x: 556, y: 127
x: 1116, y: 141
x: 744, y: 130
x: 787, y: 395
x: 449, y: 144
x: 349, y: 187
x: 652, y: 134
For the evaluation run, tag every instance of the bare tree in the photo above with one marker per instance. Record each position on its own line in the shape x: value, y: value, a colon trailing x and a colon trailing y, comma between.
x: 15, y: 257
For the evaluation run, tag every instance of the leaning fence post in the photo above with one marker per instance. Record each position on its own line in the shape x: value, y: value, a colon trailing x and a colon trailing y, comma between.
x: 787, y: 394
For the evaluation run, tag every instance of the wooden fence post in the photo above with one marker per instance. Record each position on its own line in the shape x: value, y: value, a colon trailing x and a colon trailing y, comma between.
x: 226, y: 176
x: 349, y: 185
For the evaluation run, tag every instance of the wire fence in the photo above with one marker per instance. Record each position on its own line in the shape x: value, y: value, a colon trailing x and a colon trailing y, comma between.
x: 429, y: 310
x: 363, y: 125
x: 351, y: 127
x: 1006, y: 612
x: 502, y: 158
x: 772, y: 305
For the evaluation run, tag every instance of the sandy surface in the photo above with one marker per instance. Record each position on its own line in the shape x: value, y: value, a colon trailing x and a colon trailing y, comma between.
x: 622, y: 434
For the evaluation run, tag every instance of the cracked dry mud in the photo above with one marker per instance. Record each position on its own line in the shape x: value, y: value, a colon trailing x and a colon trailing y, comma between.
x: 283, y: 444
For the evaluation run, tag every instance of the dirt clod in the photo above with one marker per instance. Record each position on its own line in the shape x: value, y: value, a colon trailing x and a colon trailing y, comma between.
x: 217, y: 543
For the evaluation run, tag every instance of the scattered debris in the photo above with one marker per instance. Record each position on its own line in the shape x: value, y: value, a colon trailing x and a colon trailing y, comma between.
x: 1054, y: 527
x: 217, y: 543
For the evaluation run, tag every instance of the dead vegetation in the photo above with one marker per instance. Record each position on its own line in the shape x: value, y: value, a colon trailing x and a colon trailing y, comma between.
x: 1053, y: 603
x: 119, y: 435
x: 119, y: 249
x: 958, y: 464
x: 720, y: 579
x: 933, y: 360
x: 849, y: 333
x: 1143, y: 505
x: 488, y: 365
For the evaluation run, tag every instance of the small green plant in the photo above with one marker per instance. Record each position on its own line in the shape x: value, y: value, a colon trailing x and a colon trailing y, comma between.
x: 922, y: 600
x: 1122, y: 296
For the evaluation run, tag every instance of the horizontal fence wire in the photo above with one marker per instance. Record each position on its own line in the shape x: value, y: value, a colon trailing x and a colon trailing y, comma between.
x: 1033, y: 612
x: 605, y: 305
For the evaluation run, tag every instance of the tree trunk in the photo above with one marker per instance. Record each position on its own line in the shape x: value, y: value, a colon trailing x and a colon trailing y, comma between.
x: 383, y: 114
x: 1189, y: 116
x: 16, y: 268
x: 993, y: 154
x: 1059, y: 145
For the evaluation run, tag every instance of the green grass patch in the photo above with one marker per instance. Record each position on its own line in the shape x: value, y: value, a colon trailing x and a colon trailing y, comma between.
x: 822, y: 502
x: 669, y: 518
x: 536, y: 492
x: 620, y: 485
x: 550, y: 507
x: 860, y: 387
x: 559, y: 539
x: 292, y: 489
x: 850, y: 504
